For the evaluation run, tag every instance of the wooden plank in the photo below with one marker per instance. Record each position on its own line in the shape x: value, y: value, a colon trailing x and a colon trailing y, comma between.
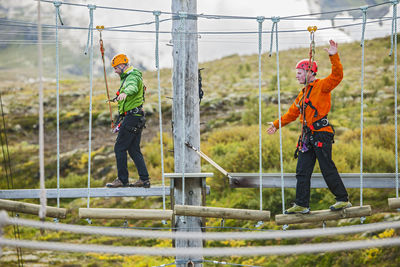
x: 190, y: 175
x: 350, y: 180
x: 323, y: 215
x: 394, y: 203
x: 225, y: 213
x: 126, y: 214
x: 155, y: 191
x: 29, y: 208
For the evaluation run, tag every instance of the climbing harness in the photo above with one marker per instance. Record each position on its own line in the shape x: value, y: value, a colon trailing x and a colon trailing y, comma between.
x: 100, y: 28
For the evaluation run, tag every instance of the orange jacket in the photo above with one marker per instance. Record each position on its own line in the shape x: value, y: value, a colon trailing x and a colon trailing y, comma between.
x: 320, y: 98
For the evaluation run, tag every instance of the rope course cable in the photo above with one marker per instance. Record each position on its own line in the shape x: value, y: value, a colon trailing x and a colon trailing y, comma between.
x: 220, y: 16
x: 57, y: 5
x: 364, y: 15
x: 252, y: 235
x: 239, y: 251
x: 90, y: 35
x: 260, y: 21
x: 157, y: 56
x: 394, y: 39
x: 8, y: 173
x: 43, y: 199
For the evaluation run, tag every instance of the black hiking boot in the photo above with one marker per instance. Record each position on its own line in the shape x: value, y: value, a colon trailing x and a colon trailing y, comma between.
x: 116, y: 183
x: 141, y: 183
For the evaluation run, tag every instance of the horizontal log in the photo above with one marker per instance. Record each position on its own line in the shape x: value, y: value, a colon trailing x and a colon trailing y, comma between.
x: 189, y: 175
x: 29, y: 208
x: 273, y: 180
x: 225, y: 213
x: 394, y: 203
x: 323, y: 215
x: 128, y: 214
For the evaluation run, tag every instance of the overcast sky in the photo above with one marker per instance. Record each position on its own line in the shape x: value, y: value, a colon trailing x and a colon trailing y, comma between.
x: 140, y: 46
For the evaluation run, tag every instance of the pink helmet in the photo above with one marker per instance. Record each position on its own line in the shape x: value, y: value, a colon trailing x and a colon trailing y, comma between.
x: 304, y: 64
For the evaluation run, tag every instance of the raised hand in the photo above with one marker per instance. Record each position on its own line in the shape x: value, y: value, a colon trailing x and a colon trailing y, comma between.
x: 332, y: 48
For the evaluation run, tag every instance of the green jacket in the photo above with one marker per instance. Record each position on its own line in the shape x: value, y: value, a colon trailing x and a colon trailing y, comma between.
x: 133, y: 88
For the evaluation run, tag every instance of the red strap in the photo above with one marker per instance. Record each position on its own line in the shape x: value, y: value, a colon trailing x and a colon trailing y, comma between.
x: 312, y: 127
x: 117, y: 93
x: 307, y: 100
x: 319, y: 144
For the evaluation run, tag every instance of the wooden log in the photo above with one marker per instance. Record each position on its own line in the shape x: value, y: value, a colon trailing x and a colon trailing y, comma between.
x: 323, y: 215
x: 394, y: 203
x: 225, y: 213
x: 29, y: 208
x: 126, y: 214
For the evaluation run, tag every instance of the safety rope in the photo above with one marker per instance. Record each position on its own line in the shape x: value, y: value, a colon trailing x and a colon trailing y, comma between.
x: 260, y: 21
x: 394, y: 25
x: 101, y: 45
x: 43, y: 199
x: 182, y: 29
x: 8, y: 174
x: 212, y: 251
x: 57, y: 5
x: 216, y: 16
x: 275, y: 21
x: 230, y: 235
x: 157, y: 20
x: 364, y: 15
x: 91, y: 8
x: 394, y: 39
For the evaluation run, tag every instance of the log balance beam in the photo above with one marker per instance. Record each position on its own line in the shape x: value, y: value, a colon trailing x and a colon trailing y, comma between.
x: 323, y: 215
x: 126, y: 214
x: 225, y: 213
x: 29, y: 208
x: 394, y: 203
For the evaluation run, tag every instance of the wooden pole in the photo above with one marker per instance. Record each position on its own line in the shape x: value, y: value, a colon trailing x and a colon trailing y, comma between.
x: 132, y: 214
x: 323, y: 215
x: 187, y: 86
x: 29, y: 208
x: 225, y: 213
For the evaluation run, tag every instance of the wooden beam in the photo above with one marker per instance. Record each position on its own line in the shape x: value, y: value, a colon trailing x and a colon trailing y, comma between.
x: 29, y: 208
x: 273, y: 180
x: 394, y: 203
x: 126, y: 214
x: 154, y: 191
x: 323, y: 215
x: 225, y: 213
x: 190, y: 175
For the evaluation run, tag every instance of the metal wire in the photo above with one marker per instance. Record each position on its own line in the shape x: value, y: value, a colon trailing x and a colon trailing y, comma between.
x: 91, y: 8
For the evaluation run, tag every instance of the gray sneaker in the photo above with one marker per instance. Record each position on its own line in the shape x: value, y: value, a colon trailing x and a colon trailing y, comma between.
x: 141, y: 183
x: 116, y: 183
x: 339, y: 205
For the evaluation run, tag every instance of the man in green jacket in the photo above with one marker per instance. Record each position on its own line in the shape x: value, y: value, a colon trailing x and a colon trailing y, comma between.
x: 130, y: 97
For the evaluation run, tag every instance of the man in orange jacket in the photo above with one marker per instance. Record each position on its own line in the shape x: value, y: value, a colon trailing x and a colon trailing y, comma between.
x: 313, y: 105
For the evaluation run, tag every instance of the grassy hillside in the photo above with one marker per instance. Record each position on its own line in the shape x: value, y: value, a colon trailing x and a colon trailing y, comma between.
x: 229, y: 135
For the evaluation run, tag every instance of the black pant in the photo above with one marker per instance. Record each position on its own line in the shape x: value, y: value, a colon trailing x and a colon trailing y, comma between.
x: 305, y: 167
x: 129, y: 140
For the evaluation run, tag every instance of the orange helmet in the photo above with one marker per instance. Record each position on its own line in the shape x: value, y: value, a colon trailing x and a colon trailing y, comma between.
x: 304, y: 64
x: 119, y: 59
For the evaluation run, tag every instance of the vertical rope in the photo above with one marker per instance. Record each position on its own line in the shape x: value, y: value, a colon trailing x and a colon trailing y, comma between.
x: 394, y: 26
x: 274, y: 24
x: 157, y: 18
x: 57, y: 15
x: 364, y: 14
x: 91, y: 8
x: 275, y: 21
x: 183, y: 16
x: 260, y: 21
x: 394, y: 39
x: 43, y: 200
